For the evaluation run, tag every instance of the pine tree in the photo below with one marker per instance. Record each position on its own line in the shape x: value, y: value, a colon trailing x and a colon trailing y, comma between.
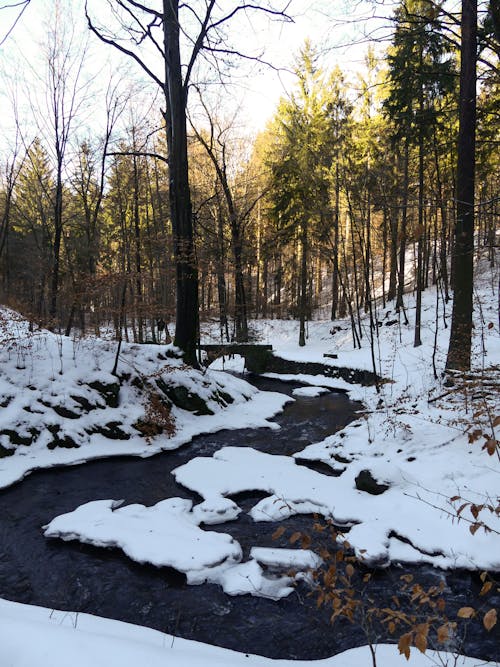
x: 420, y: 72
x: 300, y: 161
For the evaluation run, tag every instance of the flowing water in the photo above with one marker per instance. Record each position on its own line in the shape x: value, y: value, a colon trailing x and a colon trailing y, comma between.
x: 73, y: 576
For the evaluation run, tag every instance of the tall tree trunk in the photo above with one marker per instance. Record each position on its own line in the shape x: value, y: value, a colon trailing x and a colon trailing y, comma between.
x: 138, y: 260
x: 393, y: 256
x: 443, y: 255
x: 303, y: 284
x: 56, y: 248
x: 221, y: 278
x: 459, y: 351
x: 240, y: 306
x: 186, y: 328
x: 402, y: 240
x: 421, y: 225
x: 335, y: 275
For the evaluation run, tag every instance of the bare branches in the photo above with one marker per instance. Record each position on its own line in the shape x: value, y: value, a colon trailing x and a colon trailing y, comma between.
x: 23, y: 6
x: 198, y: 44
x: 248, y: 6
x: 113, y: 42
x: 144, y: 8
x: 206, y: 37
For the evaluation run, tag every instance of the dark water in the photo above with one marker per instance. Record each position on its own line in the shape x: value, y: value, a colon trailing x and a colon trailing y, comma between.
x: 69, y: 575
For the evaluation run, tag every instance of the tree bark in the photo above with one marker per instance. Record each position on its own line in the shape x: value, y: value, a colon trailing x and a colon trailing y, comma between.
x: 459, y: 351
x: 186, y: 327
x: 303, y: 284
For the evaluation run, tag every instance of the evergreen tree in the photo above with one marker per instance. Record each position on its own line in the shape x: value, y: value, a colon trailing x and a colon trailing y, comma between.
x: 30, y: 246
x: 420, y: 72
x: 300, y: 161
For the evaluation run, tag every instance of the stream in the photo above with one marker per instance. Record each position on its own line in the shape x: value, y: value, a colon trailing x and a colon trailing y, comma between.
x: 73, y: 576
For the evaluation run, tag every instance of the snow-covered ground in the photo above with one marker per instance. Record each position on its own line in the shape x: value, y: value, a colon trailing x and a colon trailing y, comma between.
x: 38, y: 637
x: 425, y: 444
x: 61, y: 405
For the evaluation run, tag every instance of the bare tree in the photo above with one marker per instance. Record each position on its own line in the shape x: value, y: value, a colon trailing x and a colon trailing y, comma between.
x: 239, y: 204
x: 13, y: 165
x: 55, y: 97
x: 202, y: 26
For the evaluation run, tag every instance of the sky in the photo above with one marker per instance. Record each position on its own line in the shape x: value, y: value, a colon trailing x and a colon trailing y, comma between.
x: 339, y: 29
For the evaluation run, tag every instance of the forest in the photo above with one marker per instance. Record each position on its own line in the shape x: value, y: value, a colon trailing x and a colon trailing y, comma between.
x: 249, y: 333
x: 320, y: 211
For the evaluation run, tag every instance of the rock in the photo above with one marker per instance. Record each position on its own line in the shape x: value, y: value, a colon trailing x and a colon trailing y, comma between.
x: 183, y: 398
x: 339, y: 458
x: 61, y: 410
x: 366, y: 482
x: 4, y: 451
x: 17, y: 439
x: 84, y: 402
x: 61, y: 440
x: 111, y: 430
x: 109, y: 391
x: 223, y: 398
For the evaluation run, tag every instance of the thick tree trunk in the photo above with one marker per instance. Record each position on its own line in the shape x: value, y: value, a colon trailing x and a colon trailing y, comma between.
x: 459, y: 351
x: 186, y: 328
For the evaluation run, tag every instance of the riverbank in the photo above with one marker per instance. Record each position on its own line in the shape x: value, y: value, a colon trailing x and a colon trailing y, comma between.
x: 59, y: 639
x: 421, y: 444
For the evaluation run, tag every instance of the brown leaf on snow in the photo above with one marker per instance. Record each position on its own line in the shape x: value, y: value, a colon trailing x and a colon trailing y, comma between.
x: 491, y: 446
x: 421, y: 642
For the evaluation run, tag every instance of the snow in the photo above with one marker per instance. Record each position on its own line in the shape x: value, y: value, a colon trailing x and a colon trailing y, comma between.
x: 422, y: 439
x: 43, y: 374
x: 168, y: 534
x: 309, y: 392
x: 61, y: 638
x: 290, y: 558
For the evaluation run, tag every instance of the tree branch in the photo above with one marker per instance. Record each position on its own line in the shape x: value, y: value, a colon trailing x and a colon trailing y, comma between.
x: 198, y: 45
x: 24, y: 4
x: 147, y: 10
x: 122, y: 49
x: 155, y: 156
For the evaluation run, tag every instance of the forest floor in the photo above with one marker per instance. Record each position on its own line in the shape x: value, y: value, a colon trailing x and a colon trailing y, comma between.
x: 416, y: 476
